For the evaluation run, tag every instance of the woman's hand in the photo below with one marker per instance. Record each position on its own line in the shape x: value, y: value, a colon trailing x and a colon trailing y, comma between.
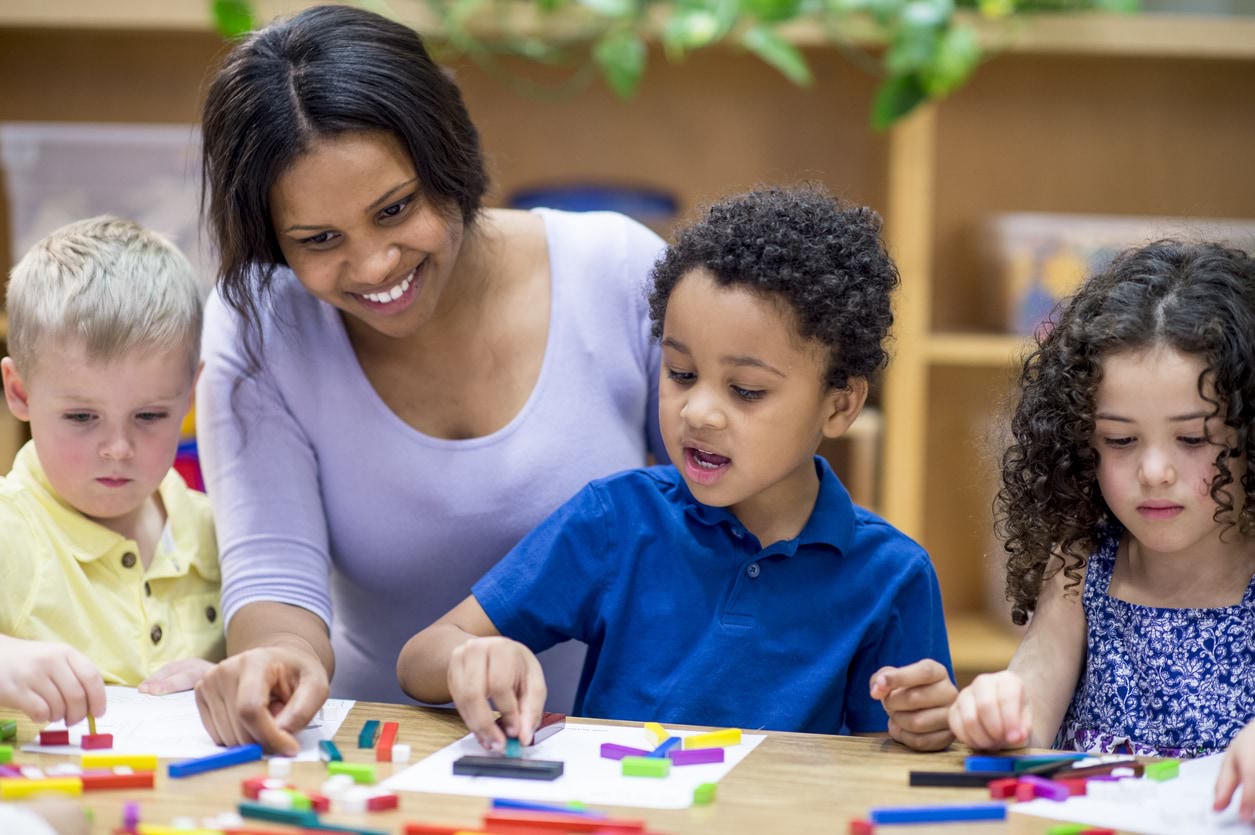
x: 1238, y: 769
x: 991, y: 714
x: 917, y: 698
x: 508, y: 673
x: 264, y: 695
x: 176, y: 676
x: 49, y: 681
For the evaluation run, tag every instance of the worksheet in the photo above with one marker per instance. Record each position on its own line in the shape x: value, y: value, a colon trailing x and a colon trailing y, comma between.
x: 587, y: 776
x: 1168, y: 808
x: 169, y: 726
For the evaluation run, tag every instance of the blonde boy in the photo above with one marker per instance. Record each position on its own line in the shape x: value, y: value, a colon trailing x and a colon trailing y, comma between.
x: 108, y: 564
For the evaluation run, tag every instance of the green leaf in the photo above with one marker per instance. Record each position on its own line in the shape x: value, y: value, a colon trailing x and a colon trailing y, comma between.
x: 898, y: 96
x: 996, y: 8
x: 610, y: 8
x: 233, y: 18
x: 956, y: 57
x: 772, y: 10
x: 779, y: 53
x: 689, y: 29
x: 621, y: 56
x: 911, y: 49
x: 927, y: 13
x: 1121, y: 6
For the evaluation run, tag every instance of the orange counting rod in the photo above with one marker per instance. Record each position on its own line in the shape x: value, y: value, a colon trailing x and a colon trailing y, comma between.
x: 495, y: 820
x: 102, y: 782
x: 388, y: 738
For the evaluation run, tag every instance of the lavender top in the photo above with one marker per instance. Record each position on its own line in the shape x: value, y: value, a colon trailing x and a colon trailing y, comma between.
x: 327, y: 500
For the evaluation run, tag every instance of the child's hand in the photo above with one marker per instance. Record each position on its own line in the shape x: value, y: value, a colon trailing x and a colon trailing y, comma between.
x: 176, y: 676
x: 990, y: 713
x: 1238, y: 769
x: 506, y: 672
x: 48, y: 681
x: 917, y: 698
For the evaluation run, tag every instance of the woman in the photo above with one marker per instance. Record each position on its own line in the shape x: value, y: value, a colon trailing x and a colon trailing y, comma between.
x: 398, y: 383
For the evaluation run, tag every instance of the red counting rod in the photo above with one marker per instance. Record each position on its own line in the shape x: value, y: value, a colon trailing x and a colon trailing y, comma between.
x: 494, y: 819
x: 387, y: 738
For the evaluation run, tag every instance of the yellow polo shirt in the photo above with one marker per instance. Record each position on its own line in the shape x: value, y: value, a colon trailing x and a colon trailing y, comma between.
x: 68, y: 579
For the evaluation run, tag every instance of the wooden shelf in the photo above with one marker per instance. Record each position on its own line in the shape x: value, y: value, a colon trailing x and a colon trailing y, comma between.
x: 976, y: 349
x: 979, y: 644
x: 1105, y: 34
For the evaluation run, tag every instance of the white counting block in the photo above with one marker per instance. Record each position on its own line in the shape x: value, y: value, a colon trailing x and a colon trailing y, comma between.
x: 1105, y: 790
x: 123, y: 769
x: 275, y: 799
x: 32, y: 773
x: 274, y: 783
x: 280, y: 767
x: 65, y: 770
x: 184, y: 823
x: 1121, y: 772
x: 400, y: 753
x: 349, y: 803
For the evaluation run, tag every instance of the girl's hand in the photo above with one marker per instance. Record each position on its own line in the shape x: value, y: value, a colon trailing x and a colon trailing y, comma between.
x: 1238, y: 769
x: 176, y: 676
x: 506, y: 672
x: 991, y: 714
x: 264, y: 695
x: 917, y: 698
x: 49, y: 681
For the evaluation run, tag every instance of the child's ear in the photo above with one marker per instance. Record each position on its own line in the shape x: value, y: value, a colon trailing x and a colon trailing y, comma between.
x: 15, y: 390
x: 842, y: 406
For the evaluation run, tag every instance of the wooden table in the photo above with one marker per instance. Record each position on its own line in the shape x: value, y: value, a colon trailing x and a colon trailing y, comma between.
x: 792, y: 783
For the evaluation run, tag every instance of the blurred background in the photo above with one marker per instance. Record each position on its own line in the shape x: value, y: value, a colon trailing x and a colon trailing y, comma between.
x: 1011, y: 148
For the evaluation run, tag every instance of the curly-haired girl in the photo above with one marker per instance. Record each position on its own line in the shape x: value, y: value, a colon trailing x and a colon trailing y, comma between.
x: 1128, y: 509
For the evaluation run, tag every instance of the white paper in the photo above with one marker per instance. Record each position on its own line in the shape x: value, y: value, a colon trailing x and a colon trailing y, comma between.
x: 170, y: 727
x: 1168, y: 808
x: 587, y: 776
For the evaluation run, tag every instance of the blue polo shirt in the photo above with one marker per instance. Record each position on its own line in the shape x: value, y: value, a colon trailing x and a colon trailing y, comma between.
x: 688, y: 619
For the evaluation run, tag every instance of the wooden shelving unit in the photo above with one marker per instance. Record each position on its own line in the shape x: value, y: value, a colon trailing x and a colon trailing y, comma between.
x: 1097, y: 114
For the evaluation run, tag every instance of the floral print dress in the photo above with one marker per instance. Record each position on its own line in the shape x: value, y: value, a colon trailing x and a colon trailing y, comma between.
x: 1166, y: 682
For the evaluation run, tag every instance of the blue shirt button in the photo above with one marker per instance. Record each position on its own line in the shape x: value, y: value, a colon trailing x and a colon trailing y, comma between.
x: 752, y: 570
x: 738, y: 532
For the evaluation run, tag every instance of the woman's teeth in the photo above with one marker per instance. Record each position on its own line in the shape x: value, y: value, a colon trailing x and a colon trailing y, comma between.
x: 391, y: 295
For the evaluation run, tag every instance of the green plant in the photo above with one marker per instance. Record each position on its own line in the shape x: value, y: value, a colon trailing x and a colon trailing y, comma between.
x: 923, y: 49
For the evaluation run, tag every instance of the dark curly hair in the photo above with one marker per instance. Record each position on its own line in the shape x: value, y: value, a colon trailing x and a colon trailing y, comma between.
x: 1194, y: 298
x: 821, y: 256
x: 322, y: 73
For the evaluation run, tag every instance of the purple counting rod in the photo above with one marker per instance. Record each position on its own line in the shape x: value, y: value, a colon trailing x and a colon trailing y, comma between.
x: 938, y: 814
x: 1047, y: 789
x: 696, y: 756
x: 617, y: 752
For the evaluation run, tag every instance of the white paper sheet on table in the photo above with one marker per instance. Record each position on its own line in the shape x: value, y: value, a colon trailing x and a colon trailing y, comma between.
x: 1171, y: 808
x: 587, y: 776
x: 170, y: 726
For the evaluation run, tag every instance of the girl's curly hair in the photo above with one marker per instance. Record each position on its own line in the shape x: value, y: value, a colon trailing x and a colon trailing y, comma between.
x: 1195, y: 298
x: 820, y: 256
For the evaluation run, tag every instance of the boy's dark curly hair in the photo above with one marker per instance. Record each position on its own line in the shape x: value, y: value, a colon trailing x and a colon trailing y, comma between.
x: 1195, y: 298
x: 821, y: 256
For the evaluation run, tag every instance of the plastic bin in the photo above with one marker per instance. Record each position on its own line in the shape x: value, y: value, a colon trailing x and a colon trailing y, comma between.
x: 56, y: 173
x: 1035, y: 259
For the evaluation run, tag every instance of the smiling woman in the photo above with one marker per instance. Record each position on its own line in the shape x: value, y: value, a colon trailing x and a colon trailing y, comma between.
x: 399, y: 384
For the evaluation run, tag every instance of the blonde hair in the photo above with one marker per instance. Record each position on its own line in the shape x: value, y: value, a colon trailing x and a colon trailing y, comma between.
x: 110, y: 283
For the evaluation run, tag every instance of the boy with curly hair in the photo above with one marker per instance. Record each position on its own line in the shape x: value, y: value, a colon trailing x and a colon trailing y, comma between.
x: 739, y: 586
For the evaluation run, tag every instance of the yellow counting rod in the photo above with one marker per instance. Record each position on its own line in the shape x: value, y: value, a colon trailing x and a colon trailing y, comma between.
x: 715, y: 739
x: 20, y: 789
x: 139, y: 762
x: 656, y: 732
